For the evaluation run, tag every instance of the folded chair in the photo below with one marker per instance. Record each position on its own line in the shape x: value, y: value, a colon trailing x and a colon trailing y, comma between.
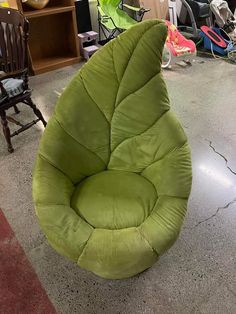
x: 194, y: 13
x: 113, y: 19
x: 113, y: 171
x: 224, y: 16
x: 14, y: 71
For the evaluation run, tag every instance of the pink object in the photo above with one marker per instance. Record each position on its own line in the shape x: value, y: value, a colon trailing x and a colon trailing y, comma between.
x: 177, y: 43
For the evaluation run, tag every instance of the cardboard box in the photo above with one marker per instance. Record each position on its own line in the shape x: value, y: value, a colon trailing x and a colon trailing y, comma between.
x: 159, y: 9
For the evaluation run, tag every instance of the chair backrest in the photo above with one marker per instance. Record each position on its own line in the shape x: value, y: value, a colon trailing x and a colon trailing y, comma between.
x: 116, y: 97
x: 111, y: 3
x: 13, y: 40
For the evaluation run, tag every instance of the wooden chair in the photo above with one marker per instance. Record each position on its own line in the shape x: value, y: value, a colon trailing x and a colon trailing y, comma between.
x: 14, y: 71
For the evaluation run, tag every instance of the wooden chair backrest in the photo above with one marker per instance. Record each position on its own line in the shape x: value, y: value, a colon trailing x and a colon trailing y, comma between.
x: 14, y: 30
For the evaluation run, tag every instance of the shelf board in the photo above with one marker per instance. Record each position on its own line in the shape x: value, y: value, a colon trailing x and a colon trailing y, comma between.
x: 48, y: 64
x: 48, y: 11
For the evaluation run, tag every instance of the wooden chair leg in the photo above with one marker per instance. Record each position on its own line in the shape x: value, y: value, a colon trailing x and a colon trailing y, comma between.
x: 37, y: 112
x: 6, y: 131
x: 16, y: 109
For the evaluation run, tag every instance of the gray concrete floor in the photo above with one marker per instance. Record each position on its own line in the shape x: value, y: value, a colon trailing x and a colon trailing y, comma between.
x: 198, y: 274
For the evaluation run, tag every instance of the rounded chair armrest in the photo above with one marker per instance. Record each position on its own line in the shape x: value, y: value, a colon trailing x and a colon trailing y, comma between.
x: 139, y: 11
x: 66, y: 231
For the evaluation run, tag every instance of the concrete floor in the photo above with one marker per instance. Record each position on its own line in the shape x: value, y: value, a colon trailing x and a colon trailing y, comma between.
x: 198, y: 274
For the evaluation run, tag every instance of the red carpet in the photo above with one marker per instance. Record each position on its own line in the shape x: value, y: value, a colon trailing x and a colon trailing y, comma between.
x: 20, y: 288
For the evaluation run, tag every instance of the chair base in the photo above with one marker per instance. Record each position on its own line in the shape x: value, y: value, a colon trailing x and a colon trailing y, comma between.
x: 23, y: 127
x: 6, y: 131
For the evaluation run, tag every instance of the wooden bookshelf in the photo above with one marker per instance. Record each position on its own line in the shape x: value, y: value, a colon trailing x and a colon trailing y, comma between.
x: 53, y: 40
x: 47, y: 11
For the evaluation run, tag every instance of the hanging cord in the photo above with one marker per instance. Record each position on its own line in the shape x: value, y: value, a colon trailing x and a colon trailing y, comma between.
x: 215, y: 56
x: 230, y: 36
x: 231, y: 55
x: 199, y: 42
x: 212, y: 51
x: 210, y: 54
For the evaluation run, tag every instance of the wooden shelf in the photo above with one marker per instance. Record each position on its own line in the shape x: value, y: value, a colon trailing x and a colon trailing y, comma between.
x: 48, y: 11
x: 53, y: 35
x: 49, y: 64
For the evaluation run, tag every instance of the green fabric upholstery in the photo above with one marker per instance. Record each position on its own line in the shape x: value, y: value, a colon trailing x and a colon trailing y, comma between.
x: 111, y: 9
x: 113, y: 171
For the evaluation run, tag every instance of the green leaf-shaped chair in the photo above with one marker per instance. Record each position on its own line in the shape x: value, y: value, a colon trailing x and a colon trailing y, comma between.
x: 113, y: 171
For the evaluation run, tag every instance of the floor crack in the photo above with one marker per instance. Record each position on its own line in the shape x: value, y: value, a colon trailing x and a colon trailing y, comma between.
x: 216, y: 213
x: 225, y: 159
x: 229, y: 203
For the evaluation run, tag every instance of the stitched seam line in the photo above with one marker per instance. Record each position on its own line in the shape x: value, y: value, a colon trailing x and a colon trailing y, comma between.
x: 63, y: 239
x: 85, y: 247
x: 136, y: 227
x: 131, y: 57
x: 140, y: 88
x: 53, y: 233
x: 93, y: 99
x: 68, y: 226
x: 172, y: 196
x: 140, y: 134
x: 145, y: 239
x: 48, y: 161
x: 55, y: 117
x: 165, y: 156
x: 113, y: 59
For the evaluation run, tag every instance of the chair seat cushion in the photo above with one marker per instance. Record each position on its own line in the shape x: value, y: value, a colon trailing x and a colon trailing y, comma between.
x: 114, y: 199
x: 14, y: 87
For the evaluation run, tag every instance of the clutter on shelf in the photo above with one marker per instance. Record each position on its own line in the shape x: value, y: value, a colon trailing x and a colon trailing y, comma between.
x: 36, y: 4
